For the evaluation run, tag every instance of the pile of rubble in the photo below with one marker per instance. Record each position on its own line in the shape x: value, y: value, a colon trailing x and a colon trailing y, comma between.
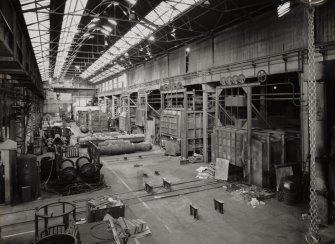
x: 206, y: 172
x: 255, y: 196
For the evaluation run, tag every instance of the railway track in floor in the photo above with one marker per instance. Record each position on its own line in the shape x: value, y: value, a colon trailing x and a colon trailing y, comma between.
x: 130, y: 198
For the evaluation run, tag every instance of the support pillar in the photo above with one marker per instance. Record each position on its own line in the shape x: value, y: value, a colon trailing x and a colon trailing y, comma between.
x: 321, y: 169
x: 249, y: 126
x: 205, y: 125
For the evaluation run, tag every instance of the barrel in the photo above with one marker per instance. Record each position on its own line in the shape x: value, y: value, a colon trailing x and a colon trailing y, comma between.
x: 85, y: 167
x: 292, y: 190
x: 58, y: 238
x: 27, y: 173
x: 67, y: 172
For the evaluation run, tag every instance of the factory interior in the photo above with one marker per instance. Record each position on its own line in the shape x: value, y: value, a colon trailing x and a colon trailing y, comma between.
x: 167, y: 121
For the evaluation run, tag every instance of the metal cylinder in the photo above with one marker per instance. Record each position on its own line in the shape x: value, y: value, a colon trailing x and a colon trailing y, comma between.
x: 122, y: 148
x: 67, y: 172
x: 27, y: 173
x: 85, y: 167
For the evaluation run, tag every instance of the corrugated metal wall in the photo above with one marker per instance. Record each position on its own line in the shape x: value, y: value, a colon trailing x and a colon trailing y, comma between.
x: 269, y: 35
x: 201, y: 55
x: 264, y: 36
x: 325, y: 23
x: 177, y: 62
x: 136, y: 75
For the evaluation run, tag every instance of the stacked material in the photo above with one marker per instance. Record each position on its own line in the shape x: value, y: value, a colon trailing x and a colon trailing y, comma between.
x: 109, y: 136
x: 122, y: 147
x: 104, y: 202
x: 134, y: 226
x: 98, y: 207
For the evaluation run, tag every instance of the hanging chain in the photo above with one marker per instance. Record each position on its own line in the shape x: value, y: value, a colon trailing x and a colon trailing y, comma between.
x: 312, y: 236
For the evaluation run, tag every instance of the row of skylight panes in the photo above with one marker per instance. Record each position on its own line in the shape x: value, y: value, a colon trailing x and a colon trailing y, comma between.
x: 113, y: 70
x: 38, y: 26
x: 163, y: 14
x: 69, y: 30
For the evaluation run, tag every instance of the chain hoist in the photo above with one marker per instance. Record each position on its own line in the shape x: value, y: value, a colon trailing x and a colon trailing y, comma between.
x: 313, y: 233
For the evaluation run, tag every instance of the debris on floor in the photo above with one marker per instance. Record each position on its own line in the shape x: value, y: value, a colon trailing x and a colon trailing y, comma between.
x: 196, y: 158
x: 255, y: 196
x: 255, y: 203
x: 205, y: 172
x: 202, y: 173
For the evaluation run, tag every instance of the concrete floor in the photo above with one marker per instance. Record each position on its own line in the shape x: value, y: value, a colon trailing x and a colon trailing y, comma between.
x: 169, y: 218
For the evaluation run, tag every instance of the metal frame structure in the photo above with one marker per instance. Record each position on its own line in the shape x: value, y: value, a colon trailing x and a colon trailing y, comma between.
x: 247, y: 87
x: 127, y: 107
x: 182, y: 121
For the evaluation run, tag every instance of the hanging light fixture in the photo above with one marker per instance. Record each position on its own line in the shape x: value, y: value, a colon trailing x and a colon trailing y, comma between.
x: 111, y: 21
x: 105, y: 32
x: 132, y: 2
x: 91, y: 26
x: 107, y: 28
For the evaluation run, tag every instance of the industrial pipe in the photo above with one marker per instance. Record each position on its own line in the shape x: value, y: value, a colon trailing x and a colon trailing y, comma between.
x: 123, y: 148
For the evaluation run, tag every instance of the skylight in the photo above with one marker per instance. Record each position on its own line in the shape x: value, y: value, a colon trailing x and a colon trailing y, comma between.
x: 283, y: 9
x: 38, y: 25
x: 69, y: 29
x: 162, y: 15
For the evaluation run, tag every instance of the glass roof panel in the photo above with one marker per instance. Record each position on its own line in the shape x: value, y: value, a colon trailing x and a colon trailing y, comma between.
x: 38, y: 26
x: 163, y: 14
x: 69, y: 30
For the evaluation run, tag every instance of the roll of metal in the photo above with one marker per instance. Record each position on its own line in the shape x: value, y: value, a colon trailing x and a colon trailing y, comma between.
x: 85, y: 167
x: 67, y: 172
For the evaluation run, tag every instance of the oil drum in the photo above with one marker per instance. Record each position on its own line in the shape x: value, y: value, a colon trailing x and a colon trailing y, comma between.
x: 85, y: 167
x: 292, y: 189
x: 67, y: 172
x: 27, y: 173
